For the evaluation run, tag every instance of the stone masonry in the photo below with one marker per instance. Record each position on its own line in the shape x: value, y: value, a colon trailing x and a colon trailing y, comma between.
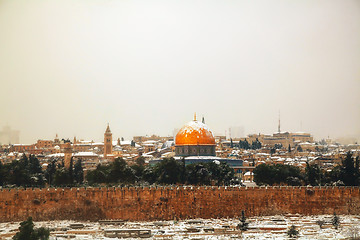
x: 169, y: 203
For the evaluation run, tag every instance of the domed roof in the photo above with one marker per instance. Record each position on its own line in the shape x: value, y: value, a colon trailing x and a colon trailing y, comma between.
x: 194, y: 133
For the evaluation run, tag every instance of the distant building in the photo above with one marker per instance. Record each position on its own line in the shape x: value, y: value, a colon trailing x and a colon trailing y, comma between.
x: 44, y: 144
x: 236, y: 132
x: 9, y: 136
x: 141, y: 139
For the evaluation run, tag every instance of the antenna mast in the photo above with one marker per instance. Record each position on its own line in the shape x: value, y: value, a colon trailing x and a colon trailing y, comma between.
x: 279, y: 123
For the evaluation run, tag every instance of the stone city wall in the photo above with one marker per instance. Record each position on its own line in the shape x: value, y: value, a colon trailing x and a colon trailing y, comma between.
x: 168, y: 203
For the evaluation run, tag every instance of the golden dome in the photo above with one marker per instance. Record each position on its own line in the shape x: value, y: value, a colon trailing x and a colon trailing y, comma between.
x: 194, y: 133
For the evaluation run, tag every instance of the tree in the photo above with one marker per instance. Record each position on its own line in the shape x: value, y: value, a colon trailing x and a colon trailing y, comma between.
x: 2, y: 174
x: 263, y: 174
x: 272, y: 150
x: 231, y: 143
x: 357, y: 171
x: 243, y: 225
x: 98, y: 175
x: 27, y: 231
x: 299, y: 148
x: 221, y: 173
x: 292, y: 232
x: 278, y: 146
x: 116, y: 169
x: 34, y: 165
x: 168, y: 171
x: 320, y: 223
x: 335, y: 221
x: 289, y: 149
x: 119, y: 171
x: 244, y: 144
x: 24, y: 172
x: 140, y: 161
x: 348, y: 171
x: 78, y: 172
x: 149, y: 174
x: 50, y: 172
x: 61, y: 177
x: 198, y: 174
x: 18, y: 173
x: 138, y: 171
x: 256, y: 144
x: 71, y: 170
x: 313, y: 174
x: 277, y: 174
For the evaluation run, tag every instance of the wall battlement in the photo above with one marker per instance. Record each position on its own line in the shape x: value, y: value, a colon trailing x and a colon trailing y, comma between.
x: 168, y: 203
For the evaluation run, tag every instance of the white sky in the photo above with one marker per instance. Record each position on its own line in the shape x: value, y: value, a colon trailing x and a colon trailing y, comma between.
x: 69, y: 67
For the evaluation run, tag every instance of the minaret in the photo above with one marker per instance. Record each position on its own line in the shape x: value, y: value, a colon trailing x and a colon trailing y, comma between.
x: 195, y: 116
x: 67, y: 154
x: 107, y: 142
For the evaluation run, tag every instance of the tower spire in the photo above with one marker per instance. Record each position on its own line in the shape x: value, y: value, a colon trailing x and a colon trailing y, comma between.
x: 279, y: 123
x: 195, y: 116
x: 108, y: 128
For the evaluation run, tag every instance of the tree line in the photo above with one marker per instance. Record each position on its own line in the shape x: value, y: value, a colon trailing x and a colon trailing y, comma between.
x: 345, y: 174
x: 27, y: 172
x: 167, y: 171
x: 246, y: 145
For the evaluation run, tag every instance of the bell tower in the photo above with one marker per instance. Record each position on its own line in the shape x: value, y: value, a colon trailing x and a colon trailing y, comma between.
x: 107, y: 142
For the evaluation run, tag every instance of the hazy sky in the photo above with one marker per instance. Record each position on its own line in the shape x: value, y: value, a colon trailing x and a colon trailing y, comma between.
x: 70, y: 67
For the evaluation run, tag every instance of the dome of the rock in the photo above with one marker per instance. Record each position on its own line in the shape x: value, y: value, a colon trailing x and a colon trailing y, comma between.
x: 195, y: 139
x: 194, y: 133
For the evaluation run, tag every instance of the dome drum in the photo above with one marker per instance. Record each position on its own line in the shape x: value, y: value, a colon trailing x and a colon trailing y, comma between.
x: 195, y: 150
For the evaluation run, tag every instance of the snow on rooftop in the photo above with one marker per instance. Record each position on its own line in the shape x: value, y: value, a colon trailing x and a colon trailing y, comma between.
x: 85, y: 154
x: 150, y: 142
x: 56, y: 155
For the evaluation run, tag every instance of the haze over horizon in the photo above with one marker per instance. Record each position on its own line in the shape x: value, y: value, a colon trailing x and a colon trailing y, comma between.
x: 71, y: 67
